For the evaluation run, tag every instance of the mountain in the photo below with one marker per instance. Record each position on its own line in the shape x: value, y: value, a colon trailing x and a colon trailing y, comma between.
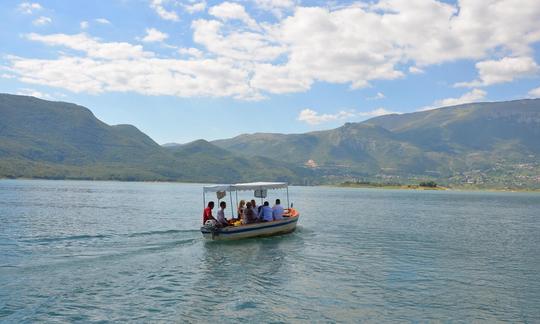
x: 493, y: 144
x: 45, y: 139
x: 471, y: 127
x: 219, y: 165
x: 481, y: 144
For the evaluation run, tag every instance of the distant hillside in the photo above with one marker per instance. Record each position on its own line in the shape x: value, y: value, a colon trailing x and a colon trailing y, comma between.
x: 473, y: 127
x: 46, y: 139
x: 223, y: 166
x: 487, y: 144
x: 482, y: 144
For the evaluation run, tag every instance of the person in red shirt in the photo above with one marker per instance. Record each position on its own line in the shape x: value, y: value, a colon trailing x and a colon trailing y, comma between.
x: 207, y: 214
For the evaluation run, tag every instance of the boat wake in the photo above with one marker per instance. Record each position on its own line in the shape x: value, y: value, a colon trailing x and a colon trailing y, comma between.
x: 87, y: 237
x: 149, y: 233
x: 65, y: 238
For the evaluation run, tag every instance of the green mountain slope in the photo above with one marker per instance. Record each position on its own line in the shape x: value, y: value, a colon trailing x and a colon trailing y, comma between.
x: 478, y: 126
x: 218, y: 165
x: 60, y: 132
x: 46, y: 139
x: 486, y: 143
x: 483, y: 144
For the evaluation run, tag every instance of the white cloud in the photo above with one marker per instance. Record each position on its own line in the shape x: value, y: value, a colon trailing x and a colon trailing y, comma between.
x: 240, y: 45
x: 149, y: 76
x: 122, y: 67
x: 279, y: 79
x: 233, y: 11
x: 357, y: 44
x: 346, y: 44
x: 471, y: 96
x: 34, y: 93
x: 41, y: 21
x: 377, y: 96
x: 195, y: 7
x: 84, y: 24
x: 191, y: 52
x: 159, y: 8
x: 91, y: 46
x: 277, y: 7
x: 376, y: 112
x: 415, y: 70
x: 29, y: 8
x: 314, y: 118
x: 271, y: 4
x: 504, y: 70
x: 154, y: 35
x: 431, y: 32
x: 103, y: 21
x: 535, y: 92
x: 332, y: 46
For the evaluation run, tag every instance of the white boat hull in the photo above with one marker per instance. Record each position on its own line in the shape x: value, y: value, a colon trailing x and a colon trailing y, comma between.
x: 287, y: 225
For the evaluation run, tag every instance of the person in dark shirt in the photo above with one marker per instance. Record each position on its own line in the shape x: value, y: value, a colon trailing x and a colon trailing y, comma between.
x: 249, y: 215
x: 254, y: 207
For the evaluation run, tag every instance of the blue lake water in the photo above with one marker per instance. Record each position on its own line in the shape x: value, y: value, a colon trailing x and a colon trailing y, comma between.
x: 110, y: 251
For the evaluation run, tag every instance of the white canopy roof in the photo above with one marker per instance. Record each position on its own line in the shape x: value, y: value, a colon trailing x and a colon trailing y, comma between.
x: 245, y: 186
x: 216, y: 188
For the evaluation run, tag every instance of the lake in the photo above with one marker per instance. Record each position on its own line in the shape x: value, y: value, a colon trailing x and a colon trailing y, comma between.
x: 112, y: 251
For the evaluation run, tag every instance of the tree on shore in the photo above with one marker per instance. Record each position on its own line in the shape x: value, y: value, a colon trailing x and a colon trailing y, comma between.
x: 429, y: 184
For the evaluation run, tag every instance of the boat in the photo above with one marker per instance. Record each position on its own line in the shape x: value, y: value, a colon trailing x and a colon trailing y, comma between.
x: 238, y: 231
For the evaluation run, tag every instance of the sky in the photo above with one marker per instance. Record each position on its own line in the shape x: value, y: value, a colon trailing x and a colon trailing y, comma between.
x: 181, y: 70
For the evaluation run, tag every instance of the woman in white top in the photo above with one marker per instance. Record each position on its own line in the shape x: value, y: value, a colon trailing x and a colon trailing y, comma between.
x: 241, y: 209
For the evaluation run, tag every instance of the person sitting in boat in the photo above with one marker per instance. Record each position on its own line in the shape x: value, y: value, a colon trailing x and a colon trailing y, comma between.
x: 207, y: 214
x: 277, y: 211
x: 249, y: 215
x: 222, y: 221
x: 254, y: 208
x: 266, y: 213
x: 241, y: 209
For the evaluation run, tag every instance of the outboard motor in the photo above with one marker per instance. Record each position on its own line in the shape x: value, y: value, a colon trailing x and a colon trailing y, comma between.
x: 211, y: 225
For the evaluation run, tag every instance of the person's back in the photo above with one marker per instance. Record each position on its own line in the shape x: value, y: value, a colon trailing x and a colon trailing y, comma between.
x: 255, y: 212
x: 254, y: 208
x: 249, y: 216
x: 266, y: 212
x: 277, y: 210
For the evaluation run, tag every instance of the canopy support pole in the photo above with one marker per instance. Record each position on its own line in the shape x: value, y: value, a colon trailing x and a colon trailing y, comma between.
x: 204, y: 199
x: 236, y: 191
x: 288, y: 204
x: 232, y: 207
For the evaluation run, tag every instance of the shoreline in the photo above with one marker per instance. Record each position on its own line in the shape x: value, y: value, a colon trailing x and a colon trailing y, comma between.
x: 352, y: 186
x: 438, y: 188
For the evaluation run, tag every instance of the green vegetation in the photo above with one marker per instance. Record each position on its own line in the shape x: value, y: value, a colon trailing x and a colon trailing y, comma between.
x: 391, y: 185
x: 483, y: 146
x: 428, y: 184
x: 56, y: 140
x: 486, y: 145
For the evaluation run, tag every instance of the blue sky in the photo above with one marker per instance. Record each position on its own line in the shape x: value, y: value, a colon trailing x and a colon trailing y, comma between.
x: 180, y: 70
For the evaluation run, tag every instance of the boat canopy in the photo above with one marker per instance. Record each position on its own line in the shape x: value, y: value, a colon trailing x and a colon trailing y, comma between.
x: 246, y: 186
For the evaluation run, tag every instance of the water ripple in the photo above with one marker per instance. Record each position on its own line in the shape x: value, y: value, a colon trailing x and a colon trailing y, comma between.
x: 132, y: 252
